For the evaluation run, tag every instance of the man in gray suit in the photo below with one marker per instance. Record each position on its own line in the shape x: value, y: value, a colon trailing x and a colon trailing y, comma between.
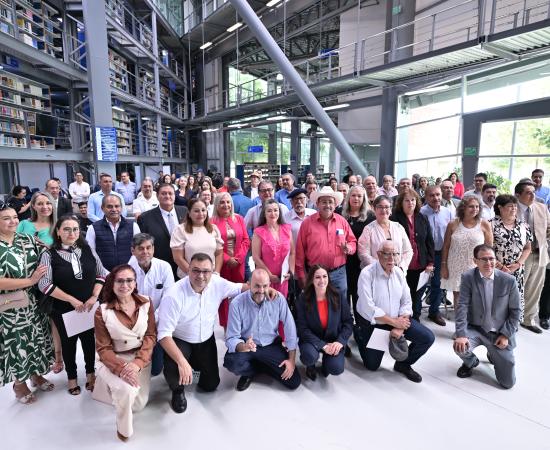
x: 487, y: 314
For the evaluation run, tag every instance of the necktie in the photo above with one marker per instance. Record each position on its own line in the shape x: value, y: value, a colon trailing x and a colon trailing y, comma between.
x: 170, y: 224
x: 530, y: 220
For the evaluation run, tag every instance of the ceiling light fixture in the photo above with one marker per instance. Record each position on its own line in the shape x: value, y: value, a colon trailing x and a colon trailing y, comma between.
x: 272, y: 3
x: 210, y: 130
x: 234, y: 27
x: 282, y: 117
x: 339, y: 106
x: 205, y: 45
x: 236, y: 125
x: 117, y: 108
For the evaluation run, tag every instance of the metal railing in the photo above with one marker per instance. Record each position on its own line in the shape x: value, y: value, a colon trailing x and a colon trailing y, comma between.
x: 195, y: 18
x: 465, y: 21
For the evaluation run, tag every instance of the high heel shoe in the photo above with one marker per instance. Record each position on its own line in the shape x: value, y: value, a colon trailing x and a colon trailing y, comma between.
x: 20, y: 395
x: 41, y: 383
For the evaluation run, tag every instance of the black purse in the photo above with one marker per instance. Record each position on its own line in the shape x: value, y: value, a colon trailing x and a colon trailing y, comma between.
x: 44, y: 303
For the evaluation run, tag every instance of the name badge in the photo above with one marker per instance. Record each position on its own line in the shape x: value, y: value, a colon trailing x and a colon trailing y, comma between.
x: 339, y: 232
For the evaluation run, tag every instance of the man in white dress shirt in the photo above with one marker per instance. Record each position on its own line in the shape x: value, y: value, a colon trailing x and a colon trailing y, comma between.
x: 488, y: 196
x: 79, y: 189
x: 385, y: 302
x: 187, y: 316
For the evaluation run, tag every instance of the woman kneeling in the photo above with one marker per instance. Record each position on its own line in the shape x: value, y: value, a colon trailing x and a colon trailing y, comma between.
x: 125, y: 337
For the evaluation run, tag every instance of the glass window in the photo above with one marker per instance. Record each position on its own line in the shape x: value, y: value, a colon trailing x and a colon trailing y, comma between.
x: 428, y: 106
x: 240, y: 141
x: 427, y: 140
x: 432, y: 168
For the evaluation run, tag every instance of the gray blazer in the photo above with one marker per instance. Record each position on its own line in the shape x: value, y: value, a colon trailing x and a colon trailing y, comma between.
x: 471, y: 309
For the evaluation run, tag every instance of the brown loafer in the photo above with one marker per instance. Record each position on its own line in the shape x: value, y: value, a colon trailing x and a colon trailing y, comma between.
x: 438, y: 320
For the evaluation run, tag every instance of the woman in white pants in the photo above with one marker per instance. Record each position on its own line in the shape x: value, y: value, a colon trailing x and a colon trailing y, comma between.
x: 125, y: 336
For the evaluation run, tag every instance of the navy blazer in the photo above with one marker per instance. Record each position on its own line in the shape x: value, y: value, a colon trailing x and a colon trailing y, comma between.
x: 423, y: 235
x: 308, y: 324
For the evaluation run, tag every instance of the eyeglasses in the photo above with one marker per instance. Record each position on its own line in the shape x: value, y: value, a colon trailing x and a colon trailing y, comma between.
x: 199, y: 272
x: 69, y: 230
x: 125, y: 280
x: 266, y: 190
x: 383, y: 207
x: 487, y: 259
x: 390, y: 255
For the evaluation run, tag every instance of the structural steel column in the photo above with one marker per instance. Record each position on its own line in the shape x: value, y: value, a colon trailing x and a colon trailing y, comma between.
x: 97, y: 56
x: 295, y: 154
x: 292, y: 76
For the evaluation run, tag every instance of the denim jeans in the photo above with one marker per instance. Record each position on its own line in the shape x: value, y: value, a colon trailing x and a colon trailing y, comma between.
x: 436, y: 293
x: 338, y: 279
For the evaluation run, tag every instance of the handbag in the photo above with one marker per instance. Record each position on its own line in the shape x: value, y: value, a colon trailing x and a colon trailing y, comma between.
x: 14, y: 300
x: 44, y: 303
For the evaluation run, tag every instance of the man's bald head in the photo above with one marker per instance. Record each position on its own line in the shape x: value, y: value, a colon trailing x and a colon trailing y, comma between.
x: 259, y: 283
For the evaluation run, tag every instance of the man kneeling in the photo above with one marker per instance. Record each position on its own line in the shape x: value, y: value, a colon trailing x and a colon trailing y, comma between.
x: 252, y: 339
x: 487, y: 314
x: 385, y: 302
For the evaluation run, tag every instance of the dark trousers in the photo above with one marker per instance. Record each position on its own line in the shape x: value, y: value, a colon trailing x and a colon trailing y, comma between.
x: 68, y: 347
x: 421, y: 339
x: 263, y: 360
x: 436, y: 293
x: 544, y: 302
x: 331, y: 365
x: 157, y: 360
x: 413, y: 276
x: 338, y: 279
x: 202, y: 357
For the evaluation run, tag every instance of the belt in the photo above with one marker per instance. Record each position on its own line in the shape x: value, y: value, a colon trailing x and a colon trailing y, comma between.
x: 129, y: 203
x: 438, y: 252
x: 336, y: 268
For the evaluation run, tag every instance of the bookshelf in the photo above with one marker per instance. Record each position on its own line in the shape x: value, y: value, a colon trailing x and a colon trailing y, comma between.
x: 147, y: 86
x: 6, y: 17
x: 20, y: 100
x: 118, y: 68
x: 122, y: 123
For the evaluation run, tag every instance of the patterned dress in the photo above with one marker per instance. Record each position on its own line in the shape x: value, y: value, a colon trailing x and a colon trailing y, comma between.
x: 461, y: 254
x: 26, y: 346
x: 509, y: 245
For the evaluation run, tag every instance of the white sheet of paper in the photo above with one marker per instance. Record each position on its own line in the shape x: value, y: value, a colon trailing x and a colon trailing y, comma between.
x: 76, y: 322
x: 423, y: 280
x: 379, y: 340
x: 286, y: 266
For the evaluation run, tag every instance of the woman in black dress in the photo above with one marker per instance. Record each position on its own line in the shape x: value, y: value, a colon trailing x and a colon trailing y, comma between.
x: 357, y: 211
x: 73, y: 280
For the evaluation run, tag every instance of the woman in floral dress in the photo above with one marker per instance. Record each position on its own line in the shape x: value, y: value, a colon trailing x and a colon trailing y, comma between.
x: 512, y: 241
x: 25, y: 341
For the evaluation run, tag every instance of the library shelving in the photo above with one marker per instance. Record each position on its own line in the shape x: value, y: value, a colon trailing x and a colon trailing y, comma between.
x: 118, y: 68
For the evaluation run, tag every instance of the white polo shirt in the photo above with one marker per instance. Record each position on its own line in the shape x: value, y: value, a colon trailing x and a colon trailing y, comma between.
x: 189, y: 316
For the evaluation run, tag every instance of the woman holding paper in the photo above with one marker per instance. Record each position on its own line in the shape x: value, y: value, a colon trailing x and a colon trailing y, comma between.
x: 26, y: 349
x: 73, y: 280
x: 407, y: 213
x: 125, y: 337
x: 271, y: 244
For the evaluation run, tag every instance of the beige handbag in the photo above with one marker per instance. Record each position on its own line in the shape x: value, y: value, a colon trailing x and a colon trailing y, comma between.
x: 14, y: 300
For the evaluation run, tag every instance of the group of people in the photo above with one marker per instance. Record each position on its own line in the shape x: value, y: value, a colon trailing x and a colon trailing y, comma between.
x: 329, y: 262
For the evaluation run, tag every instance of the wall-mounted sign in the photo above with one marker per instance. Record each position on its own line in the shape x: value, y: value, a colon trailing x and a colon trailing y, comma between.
x: 106, y: 145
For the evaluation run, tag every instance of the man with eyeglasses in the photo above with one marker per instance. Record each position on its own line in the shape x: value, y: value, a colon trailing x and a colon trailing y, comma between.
x: 252, y: 339
x: 487, y: 314
x: 385, y: 303
x: 438, y: 217
x: 296, y: 216
x: 187, y: 316
x: 252, y: 218
x: 480, y: 179
x: 111, y: 237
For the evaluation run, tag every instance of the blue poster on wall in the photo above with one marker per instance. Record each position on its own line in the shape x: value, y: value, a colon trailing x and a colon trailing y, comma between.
x: 255, y: 149
x: 106, y: 144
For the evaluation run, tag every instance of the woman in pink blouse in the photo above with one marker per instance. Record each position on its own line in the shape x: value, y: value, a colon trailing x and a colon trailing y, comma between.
x: 271, y: 244
x: 235, y: 244
x: 458, y: 186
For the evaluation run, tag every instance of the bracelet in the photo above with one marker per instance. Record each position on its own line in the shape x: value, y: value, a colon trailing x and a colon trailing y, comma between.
x: 443, y: 263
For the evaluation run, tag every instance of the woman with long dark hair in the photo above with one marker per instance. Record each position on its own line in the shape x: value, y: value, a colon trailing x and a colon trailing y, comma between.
x: 125, y: 337
x: 73, y: 279
x: 324, y: 324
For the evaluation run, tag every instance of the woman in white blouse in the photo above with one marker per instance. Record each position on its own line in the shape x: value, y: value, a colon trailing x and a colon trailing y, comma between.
x: 196, y: 235
x: 380, y: 230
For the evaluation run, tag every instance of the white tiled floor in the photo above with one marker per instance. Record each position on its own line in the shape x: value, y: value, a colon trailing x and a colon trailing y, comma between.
x: 357, y: 410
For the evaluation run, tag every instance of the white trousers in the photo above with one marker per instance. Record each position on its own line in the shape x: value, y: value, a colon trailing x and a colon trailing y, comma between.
x: 126, y: 399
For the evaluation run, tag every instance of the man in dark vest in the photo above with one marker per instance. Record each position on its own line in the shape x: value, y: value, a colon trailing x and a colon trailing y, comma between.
x: 111, y: 236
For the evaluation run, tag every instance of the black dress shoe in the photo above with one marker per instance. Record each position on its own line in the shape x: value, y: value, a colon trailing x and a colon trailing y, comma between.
x: 347, y: 352
x: 532, y: 328
x: 408, y: 371
x: 464, y: 371
x: 179, y: 402
x: 311, y: 373
x: 244, y: 383
x: 437, y: 319
x: 544, y: 324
